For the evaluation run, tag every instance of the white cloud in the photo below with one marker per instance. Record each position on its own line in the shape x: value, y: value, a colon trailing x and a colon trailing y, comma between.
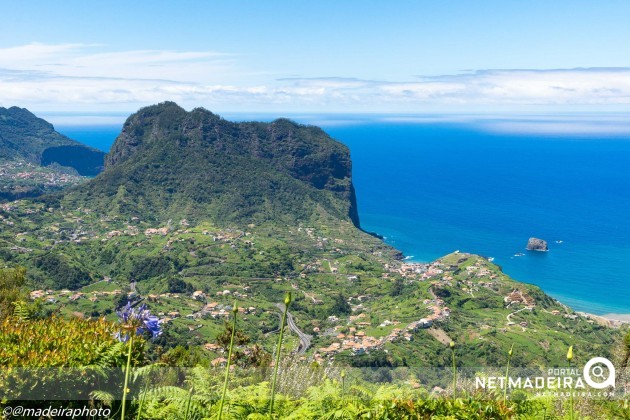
x: 64, y: 76
x: 525, y: 87
x: 36, y: 53
x: 93, y: 61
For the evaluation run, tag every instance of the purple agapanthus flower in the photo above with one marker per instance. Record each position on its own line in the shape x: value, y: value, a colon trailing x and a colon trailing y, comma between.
x: 138, y: 319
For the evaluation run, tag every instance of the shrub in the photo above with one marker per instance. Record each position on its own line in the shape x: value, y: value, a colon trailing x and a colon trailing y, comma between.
x: 57, y: 359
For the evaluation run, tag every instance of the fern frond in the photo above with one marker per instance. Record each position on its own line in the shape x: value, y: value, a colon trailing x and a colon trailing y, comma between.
x: 21, y: 312
x: 103, y: 397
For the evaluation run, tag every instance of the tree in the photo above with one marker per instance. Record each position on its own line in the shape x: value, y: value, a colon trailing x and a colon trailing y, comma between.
x: 121, y: 300
x: 397, y: 290
x: 626, y: 350
x: 340, y: 305
x: 177, y: 285
x: 223, y: 338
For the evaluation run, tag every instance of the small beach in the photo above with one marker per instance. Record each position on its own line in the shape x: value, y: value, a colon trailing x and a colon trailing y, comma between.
x: 610, y: 320
x: 625, y: 318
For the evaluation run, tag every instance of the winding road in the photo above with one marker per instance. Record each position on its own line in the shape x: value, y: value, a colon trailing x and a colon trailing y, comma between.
x: 515, y: 312
x: 305, y: 339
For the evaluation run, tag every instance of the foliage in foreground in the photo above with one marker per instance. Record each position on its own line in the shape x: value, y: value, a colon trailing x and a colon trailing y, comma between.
x: 58, y: 342
x: 11, y: 290
x: 328, y: 399
x: 59, y: 359
x: 305, y: 391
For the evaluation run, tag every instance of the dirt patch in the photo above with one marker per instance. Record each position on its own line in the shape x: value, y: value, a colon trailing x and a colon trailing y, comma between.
x: 440, y: 335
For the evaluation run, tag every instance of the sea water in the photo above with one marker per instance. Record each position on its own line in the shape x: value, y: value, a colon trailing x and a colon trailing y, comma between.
x: 432, y: 188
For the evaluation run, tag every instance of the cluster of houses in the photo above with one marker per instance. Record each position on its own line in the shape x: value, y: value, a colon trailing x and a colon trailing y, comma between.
x: 201, y: 295
x: 8, y: 207
x: 517, y: 296
x: 214, y: 310
x: 49, y: 179
x: 222, y: 361
x: 28, y: 171
x: 51, y: 296
x: 416, y: 271
x: 358, y: 342
x: 478, y: 270
x: 320, y: 241
x: 130, y: 230
x: 156, y: 231
x: 438, y: 310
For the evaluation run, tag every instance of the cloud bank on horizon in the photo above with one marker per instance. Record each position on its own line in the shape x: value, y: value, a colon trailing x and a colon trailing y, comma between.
x: 72, y: 77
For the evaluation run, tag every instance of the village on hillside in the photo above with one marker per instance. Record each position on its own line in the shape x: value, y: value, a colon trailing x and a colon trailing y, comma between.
x: 203, y: 308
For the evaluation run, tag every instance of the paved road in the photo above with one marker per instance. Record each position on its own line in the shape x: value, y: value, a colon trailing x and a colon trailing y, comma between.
x: 305, y: 339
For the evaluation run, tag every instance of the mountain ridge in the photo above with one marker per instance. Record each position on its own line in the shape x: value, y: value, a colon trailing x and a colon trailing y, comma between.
x: 25, y: 136
x: 196, y: 163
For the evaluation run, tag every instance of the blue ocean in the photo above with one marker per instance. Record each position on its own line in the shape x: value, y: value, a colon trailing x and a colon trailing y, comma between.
x: 431, y: 188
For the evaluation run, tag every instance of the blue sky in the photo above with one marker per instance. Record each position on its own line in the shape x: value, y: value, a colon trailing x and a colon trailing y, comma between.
x: 318, y: 56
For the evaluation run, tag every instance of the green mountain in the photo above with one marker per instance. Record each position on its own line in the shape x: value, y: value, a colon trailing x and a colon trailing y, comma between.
x: 189, y: 202
x: 170, y: 163
x: 23, y: 136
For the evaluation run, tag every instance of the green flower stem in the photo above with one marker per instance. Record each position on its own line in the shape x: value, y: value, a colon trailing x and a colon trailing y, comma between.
x: 570, y: 398
x: 229, y: 360
x: 143, y: 399
x: 452, y: 344
x: 190, y: 395
x: 569, y: 358
x: 127, y: 370
x: 507, y: 372
x: 287, y: 301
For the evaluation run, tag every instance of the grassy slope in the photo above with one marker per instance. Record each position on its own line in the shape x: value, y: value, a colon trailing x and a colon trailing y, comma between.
x: 315, y: 263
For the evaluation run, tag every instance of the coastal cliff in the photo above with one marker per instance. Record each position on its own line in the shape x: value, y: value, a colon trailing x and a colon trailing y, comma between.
x: 174, y: 162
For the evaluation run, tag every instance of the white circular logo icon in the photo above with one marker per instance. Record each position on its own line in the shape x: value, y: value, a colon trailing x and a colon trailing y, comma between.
x: 593, y: 369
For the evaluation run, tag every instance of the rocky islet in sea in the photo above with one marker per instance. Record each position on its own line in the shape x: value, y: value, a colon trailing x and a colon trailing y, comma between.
x: 536, y: 244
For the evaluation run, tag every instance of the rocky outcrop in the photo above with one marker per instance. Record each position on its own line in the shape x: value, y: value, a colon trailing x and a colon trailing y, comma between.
x: 535, y: 244
x: 196, y: 164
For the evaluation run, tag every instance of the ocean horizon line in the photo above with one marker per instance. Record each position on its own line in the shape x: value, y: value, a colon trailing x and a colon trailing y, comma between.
x: 554, y: 124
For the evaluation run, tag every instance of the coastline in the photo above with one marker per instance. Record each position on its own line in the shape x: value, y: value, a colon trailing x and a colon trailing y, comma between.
x: 613, y: 320
x: 609, y: 319
x: 623, y: 318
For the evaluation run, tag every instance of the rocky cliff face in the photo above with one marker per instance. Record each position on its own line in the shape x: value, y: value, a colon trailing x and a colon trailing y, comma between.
x: 198, y: 161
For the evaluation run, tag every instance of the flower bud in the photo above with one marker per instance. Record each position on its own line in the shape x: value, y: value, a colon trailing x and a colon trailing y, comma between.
x: 570, y: 354
x: 234, y: 308
x: 510, y: 352
x: 452, y: 344
x: 287, y: 298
